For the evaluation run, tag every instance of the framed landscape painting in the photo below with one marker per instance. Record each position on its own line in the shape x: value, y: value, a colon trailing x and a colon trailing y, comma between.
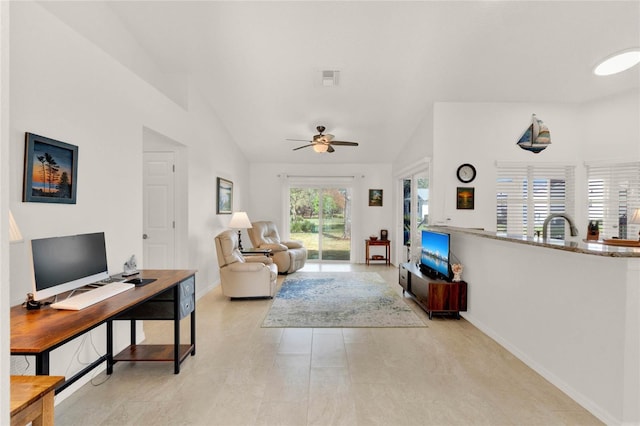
x: 50, y: 170
x: 375, y: 197
x: 465, y: 198
x: 225, y: 196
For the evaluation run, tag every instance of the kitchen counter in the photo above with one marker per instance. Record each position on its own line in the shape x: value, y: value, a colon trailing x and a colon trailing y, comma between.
x: 574, y: 244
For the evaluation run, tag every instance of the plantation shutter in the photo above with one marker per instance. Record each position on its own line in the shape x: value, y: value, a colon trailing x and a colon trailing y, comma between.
x: 614, y: 193
x: 526, y: 194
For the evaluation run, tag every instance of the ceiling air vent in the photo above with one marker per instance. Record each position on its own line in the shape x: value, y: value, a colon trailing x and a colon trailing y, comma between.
x: 330, y: 78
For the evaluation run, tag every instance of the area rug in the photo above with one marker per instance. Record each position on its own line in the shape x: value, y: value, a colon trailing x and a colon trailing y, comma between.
x: 339, y: 299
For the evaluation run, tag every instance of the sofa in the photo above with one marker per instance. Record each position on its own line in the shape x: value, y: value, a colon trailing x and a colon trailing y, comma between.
x: 289, y: 256
x: 240, y: 276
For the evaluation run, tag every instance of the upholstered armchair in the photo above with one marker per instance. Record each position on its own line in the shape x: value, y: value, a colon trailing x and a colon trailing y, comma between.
x: 289, y: 256
x: 251, y: 276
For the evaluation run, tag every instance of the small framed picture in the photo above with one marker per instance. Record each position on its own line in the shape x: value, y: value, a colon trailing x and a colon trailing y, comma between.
x: 225, y: 196
x: 465, y: 198
x: 50, y: 170
x: 375, y: 197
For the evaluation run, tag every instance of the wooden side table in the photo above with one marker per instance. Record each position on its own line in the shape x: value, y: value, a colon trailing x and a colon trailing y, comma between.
x: 32, y: 399
x: 387, y: 250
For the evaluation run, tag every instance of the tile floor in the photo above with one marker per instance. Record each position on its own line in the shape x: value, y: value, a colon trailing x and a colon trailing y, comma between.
x: 446, y: 374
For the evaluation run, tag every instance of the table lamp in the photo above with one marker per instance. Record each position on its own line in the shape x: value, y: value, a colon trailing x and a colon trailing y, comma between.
x: 240, y: 221
x: 635, y: 219
x: 14, y: 232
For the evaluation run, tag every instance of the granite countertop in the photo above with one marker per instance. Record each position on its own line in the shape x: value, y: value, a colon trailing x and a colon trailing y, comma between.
x: 577, y: 245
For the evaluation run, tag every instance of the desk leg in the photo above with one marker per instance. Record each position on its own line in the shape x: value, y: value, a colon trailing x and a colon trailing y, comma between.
x: 193, y: 331
x: 42, y: 364
x: 109, y: 347
x: 133, y: 332
x: 176, y: 329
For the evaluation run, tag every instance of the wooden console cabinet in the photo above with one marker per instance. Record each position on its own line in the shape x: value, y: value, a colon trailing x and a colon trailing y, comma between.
x: 434, y: 296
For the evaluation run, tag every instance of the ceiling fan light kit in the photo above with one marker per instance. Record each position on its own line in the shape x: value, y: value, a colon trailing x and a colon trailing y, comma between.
x: 319, y: 147
x: 323, y: 143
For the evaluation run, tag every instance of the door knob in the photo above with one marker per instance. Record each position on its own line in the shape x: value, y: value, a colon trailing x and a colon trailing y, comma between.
x: 145, y: 236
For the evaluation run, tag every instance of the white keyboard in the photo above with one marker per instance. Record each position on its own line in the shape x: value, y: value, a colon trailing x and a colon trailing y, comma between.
x: 91, y: 297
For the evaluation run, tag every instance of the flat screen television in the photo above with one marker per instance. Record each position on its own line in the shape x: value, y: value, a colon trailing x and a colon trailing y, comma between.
x: 434, y: 255
x: 61, y: 264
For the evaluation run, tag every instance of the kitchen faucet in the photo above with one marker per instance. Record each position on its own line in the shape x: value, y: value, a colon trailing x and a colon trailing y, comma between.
x: 572, y: 226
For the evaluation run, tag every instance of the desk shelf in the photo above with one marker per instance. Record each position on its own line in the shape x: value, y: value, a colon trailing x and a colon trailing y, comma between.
x: 173, y: 304
x: 153, y: 353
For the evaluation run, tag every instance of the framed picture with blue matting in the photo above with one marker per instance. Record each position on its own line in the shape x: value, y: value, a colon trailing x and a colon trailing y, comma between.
x: 50, y: 170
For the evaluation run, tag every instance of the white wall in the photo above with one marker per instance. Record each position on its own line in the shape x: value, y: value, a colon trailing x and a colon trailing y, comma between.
x: 572, y: 317
x: 4, y: 202
x: 612, y: 128
x: 419, y: 146
x: 268, y: 187
x: 483, y: 133
x: 65, y: 88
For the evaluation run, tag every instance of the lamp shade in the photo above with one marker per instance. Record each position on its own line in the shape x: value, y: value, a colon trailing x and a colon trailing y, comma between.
x: 635, y: 217
x: 14, y: 232
x: 240, y: 220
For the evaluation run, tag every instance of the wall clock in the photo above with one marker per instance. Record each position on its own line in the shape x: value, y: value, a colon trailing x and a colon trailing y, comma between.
x: 466, y: 173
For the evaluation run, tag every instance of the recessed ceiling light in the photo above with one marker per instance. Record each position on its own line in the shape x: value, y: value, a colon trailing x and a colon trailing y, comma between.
x: 618, y: 62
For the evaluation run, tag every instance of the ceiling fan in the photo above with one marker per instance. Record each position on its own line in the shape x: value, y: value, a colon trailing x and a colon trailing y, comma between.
x: 322, y: 142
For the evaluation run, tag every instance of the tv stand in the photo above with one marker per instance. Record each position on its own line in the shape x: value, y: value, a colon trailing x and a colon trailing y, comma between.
x: 432, y: 295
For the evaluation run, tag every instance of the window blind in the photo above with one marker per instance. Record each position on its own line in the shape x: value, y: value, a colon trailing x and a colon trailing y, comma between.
x: 527, y: 194
x: 614, y: 193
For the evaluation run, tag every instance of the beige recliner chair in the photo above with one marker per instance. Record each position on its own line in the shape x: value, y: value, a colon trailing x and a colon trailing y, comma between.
x: 251, y: 276
x: 288, y: 255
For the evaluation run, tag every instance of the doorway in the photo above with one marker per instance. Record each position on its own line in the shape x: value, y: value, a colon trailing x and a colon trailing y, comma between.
x: 165, y: 171
x: 158, y: 238
x: 415, y: 211
x: 321, y: 219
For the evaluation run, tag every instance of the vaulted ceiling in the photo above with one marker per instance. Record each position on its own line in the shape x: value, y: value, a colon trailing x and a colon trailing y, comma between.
x: 259, y: 64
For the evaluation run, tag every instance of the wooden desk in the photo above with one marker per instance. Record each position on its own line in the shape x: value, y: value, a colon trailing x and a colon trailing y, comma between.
x: 38, y: 332
x: 32, y: 399
x: 387, y: 250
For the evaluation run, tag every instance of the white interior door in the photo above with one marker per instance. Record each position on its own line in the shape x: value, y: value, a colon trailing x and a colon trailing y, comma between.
x: 159, y: 210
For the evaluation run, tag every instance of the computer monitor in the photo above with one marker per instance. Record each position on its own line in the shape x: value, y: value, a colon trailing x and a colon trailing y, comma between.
x: 60, y: 264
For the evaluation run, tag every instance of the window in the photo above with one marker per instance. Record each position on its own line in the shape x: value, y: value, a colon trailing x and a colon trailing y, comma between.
x: 527, y: 194
x: 614, y: 192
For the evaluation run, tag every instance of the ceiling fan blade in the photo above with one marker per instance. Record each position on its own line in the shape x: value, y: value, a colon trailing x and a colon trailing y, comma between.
x: 298, y: 140
x: 330, y: 149
x: 344, y: 143
x: 303, y: 146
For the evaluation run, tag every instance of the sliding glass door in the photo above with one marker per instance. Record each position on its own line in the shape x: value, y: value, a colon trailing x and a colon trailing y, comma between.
x: 321, y: 218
